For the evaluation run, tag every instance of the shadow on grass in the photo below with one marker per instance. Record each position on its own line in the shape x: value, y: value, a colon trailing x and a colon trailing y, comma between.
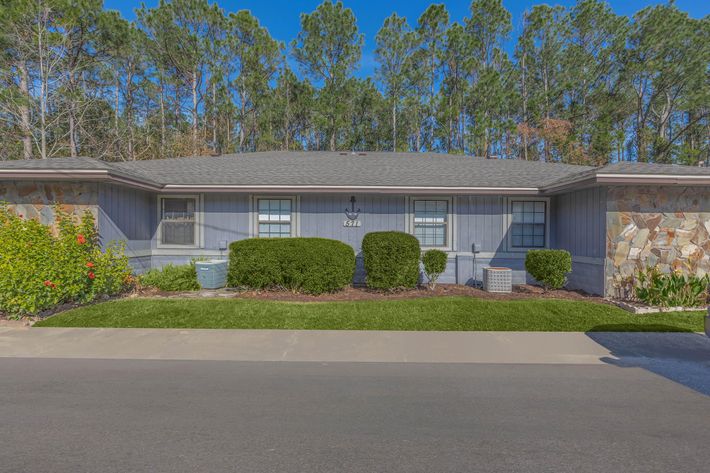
x: 680, y: 357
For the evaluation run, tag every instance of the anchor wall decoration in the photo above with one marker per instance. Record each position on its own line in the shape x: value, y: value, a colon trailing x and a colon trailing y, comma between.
x: 352, y: 215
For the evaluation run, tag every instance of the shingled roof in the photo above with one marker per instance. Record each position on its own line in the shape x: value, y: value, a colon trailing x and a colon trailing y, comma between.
x: 346, y: 169
x: 334, y: 170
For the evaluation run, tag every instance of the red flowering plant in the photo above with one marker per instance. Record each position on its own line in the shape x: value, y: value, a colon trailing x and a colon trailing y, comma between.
x: 41, y: 268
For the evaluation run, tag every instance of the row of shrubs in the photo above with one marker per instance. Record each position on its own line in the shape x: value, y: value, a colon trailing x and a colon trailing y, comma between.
x: 313, y: 265
x: 392, y: 260
x: 319, y: 265
x: 43, y: 266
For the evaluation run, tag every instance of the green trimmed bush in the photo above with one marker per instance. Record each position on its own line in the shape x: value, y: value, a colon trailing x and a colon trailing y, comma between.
x: 310, y: 265
x: 391, y: 260
x: 42, y: 266
x: 171, y: 278
x: 434, y: 265
x: 549, y: 267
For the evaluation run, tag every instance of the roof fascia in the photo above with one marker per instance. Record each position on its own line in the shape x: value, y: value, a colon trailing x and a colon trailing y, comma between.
x: 627, y: 179
x: 350, y: 189
x: 76, y: 175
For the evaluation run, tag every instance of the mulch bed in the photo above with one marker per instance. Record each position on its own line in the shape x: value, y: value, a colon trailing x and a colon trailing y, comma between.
x: 524, y: 291
x: 363, y: 294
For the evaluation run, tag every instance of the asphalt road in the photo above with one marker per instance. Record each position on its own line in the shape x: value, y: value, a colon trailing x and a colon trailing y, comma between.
x: 212, y: 416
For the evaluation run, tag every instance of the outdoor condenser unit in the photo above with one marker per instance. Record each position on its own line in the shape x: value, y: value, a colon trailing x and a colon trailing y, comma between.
x: 211, y: 274
x: 497, y: 279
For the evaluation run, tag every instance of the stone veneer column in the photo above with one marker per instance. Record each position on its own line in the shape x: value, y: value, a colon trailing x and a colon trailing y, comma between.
x: 664, y: 226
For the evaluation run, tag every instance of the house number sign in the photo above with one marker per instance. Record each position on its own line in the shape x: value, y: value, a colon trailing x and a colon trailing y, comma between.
x: 352, y: 215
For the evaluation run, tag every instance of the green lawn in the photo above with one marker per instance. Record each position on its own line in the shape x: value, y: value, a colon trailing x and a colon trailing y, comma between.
x: 436, y: 313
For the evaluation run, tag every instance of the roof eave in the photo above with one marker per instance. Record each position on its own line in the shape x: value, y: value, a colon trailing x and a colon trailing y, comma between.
x: 655, y: 179
x: 626, y: 179
x: 77, y: 175
x: 428, y: 190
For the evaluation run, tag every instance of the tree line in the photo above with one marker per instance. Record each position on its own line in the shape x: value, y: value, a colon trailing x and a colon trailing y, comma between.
x: 583, y: 84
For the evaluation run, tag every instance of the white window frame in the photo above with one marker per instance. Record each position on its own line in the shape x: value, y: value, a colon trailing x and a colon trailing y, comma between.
x: 295, y: 215
x: 199, y: 234
x: 509, y: 223
x: 449, y: 219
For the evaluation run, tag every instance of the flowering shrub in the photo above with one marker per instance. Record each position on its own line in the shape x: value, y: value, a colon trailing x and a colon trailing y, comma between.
x: 40, y: 268
x: 653, y: 287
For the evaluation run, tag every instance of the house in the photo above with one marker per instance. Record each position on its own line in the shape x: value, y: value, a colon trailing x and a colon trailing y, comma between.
x: 613, y: 220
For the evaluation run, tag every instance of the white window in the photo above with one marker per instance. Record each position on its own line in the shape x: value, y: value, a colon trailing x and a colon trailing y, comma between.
x: 431, y: 222
x: 178, y: 221
x: 274, y: 218
x: 528, y: 227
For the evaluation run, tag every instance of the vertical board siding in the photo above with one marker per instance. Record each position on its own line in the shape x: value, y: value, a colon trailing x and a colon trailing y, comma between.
x: 480, y: 221
x: 225, y: 217
x: 579, y: 222
x: 126, y: 214
x: 322, y: 215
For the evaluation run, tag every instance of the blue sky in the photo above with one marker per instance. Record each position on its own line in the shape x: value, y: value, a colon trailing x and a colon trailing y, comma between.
x: 281, y: 17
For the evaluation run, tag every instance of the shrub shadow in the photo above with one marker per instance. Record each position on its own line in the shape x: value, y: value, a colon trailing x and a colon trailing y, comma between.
x: 680, y: 357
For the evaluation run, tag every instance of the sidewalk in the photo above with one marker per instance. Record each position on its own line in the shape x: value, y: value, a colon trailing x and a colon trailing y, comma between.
x: 302, y: 345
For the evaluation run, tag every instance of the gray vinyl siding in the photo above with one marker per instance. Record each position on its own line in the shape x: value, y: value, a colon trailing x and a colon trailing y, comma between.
x: 579, y: 222
x: 225, y: 218
x: 323, y: 215
x: 479, y: 220
x: 579, y: 226
x: 126, y: 214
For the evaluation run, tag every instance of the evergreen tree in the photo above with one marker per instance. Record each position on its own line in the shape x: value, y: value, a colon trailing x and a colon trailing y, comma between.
x: 328, y: 47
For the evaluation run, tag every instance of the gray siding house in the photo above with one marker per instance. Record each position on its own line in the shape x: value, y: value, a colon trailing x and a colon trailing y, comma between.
x: 613, y: 219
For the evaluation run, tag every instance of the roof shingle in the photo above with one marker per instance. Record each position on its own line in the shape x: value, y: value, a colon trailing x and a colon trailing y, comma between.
x: 337, y: 169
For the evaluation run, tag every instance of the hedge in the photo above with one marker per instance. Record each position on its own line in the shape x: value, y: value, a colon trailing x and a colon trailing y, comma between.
x: 549, y: 267
x: 310, y: 265
x: 391, y: 260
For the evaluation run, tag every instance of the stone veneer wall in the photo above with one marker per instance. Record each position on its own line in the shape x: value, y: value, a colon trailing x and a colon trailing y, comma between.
x: 35, y: 199
x: 665, y: 226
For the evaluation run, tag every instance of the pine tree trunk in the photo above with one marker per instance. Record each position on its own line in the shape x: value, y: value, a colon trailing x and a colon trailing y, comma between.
x: 116, y: 94
x: 332, y: 133
x: 242, y: 121
x: 286, y: 116
x: 431, y: 101
x: 162, y: 118
x: 194, y: 111
x: 177, y: 109
x: 129, y: 111
x: 72, y: 124
x: 451, y: 127
x: 525, y: 107
x: 214, y: 116
x: 394, y: 126
x: 640, y: 131
x: 25, y: 111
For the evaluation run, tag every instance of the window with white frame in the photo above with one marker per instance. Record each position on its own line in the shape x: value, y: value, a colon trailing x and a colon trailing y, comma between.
x: 431, y: 222
x: 529, y: 225
x: 274, y: 218
x: 178, y: 221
